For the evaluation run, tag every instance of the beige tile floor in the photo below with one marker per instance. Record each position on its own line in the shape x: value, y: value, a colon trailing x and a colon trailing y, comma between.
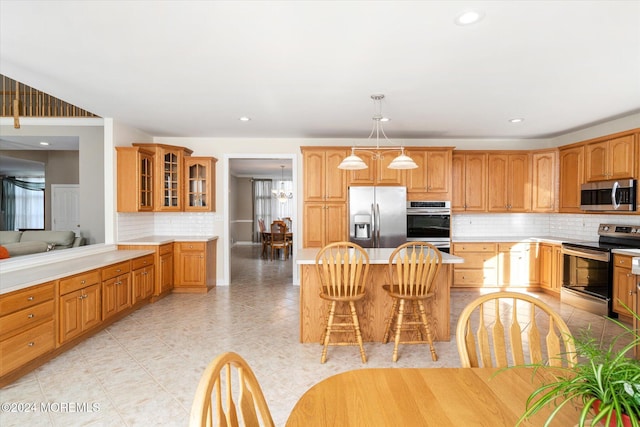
x: 143, y: 370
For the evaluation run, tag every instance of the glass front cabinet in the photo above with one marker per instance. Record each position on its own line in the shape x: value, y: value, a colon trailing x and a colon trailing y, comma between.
x: 199, y: 189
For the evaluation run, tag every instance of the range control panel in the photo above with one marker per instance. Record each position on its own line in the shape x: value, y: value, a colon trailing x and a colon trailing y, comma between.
x: 623, y: 231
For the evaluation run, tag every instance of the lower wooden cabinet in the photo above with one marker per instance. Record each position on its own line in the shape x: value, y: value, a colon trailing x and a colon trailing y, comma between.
x: 550, y: 267
x: 195, y: 266
x: 79, y: 311
x: 142, y: 279
x: 480, y: 267
x: 27, y: 325
x: 624, y: 285
x: 517, y: 264
x: 163, y: 267
x: 116, y: 289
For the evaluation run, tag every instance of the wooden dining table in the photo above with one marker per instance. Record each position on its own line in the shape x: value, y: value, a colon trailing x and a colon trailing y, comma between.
x: 426, y: 397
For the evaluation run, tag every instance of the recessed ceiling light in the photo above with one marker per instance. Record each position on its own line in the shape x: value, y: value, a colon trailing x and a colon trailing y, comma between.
x: 245, y: 119
x: 469, y: 17
x: 385, y: 119
x: 44, y: 143
x: 516, y: 120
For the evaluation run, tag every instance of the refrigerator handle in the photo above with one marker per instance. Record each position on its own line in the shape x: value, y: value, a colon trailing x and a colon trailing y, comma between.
x: 378, y: 225
x: 373, y: 227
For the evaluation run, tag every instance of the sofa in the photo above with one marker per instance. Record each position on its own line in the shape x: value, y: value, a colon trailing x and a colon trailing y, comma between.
x: 28, y: 242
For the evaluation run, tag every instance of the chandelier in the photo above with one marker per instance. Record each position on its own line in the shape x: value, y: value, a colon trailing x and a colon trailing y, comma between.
x: 353, y: 162
x: 281, y: 195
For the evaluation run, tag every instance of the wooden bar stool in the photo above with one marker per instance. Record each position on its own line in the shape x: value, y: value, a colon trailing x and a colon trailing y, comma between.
x: 343, y: 269
x: 413, y: 267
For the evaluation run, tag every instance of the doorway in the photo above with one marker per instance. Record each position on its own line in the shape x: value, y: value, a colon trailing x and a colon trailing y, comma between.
x: 65, y: 208
x: 240, y: 224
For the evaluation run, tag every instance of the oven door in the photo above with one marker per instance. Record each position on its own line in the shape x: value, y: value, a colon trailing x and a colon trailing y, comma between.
x: 587, y: 279
x: 428, y: 227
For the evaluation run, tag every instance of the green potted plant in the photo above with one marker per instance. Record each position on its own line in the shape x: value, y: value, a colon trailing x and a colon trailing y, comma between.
x: 605, y: 380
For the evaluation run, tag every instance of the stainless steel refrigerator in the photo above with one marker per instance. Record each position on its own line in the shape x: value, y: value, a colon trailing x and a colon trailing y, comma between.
x: 378, y: 216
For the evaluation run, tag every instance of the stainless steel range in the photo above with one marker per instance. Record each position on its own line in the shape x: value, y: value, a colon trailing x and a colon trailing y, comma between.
x: 587, y: 280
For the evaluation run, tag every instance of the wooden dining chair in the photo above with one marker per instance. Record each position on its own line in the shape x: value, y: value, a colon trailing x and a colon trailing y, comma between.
x: 265, y: 239
x: 343, y: 269
x: 499, y: 330
x: 278, y: 240
x: 243, y: 405
x: 412, y: 270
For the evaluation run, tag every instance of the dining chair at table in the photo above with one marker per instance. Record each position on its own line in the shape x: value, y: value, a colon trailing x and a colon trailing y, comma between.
x: 265, y: 239
x: 343, y: 270
x: 413, y: 266
x: 503, y: 329
x: 278, y: 240
x: 245, y: 405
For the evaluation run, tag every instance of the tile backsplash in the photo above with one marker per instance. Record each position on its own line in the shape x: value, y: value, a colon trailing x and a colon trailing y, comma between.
x: 572, y: 226
x: 137, y: 225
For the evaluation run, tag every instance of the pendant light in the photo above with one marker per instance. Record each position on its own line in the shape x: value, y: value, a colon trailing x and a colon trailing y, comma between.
x: 282, y: 195
x: 354, y: 162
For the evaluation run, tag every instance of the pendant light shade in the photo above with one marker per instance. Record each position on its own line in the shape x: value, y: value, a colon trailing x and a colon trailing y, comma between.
x: 403, y: 162
x: 353, y: 162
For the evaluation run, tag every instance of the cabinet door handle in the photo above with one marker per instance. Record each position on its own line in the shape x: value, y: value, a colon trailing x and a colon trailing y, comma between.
x: 31, y: 344
x: 31, y: 316
x: 82, y: 282
x: 30, y: 298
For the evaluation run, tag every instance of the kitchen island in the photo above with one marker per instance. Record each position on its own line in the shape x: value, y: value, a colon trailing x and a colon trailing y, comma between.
x: 375, y: 307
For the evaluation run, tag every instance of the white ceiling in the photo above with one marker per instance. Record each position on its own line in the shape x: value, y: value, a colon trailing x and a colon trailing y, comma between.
x: 307, y: 69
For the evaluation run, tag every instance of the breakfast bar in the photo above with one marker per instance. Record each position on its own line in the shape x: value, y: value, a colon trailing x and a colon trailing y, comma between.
x: 376, y: 305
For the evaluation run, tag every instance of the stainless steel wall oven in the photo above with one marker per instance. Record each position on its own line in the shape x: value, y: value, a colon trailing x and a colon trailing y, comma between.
x: 430, y: 221
x: 587, y: 280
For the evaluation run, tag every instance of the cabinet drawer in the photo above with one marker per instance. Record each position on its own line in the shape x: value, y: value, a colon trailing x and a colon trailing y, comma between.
x: 622, y: 260
x: 474, y: 247
x: 477, y: 260
x: 26, y: 346
x: 165, y: 249
x: 25, y: 318
x: 191, y: 246
x: 80, y: 281
x: 141, y: 262
x: 116, y: 270
x: 475, y: 278
x: 26, y: 298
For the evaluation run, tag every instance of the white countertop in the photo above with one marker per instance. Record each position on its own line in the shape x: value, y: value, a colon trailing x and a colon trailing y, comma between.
x: 376, y: 256
x: 632, y: 252
x: 161, y: 240
x: 18, y: 279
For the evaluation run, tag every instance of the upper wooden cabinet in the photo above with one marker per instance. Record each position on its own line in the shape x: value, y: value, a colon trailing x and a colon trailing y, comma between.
x: 199, y: 180
x: 323, y: 181
x: 543, y: 181
x: 610, y: 159
x: 432, y: 179
x: 169, y: 175
x: 508, y: 183
x: 469, y: 181
x: 571, y: 161
x: 377, y: 172
x: 135, y: 171
x: 324, y: 223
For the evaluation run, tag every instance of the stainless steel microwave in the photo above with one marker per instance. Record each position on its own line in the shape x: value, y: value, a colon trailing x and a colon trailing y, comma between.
x: 608, y: 196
